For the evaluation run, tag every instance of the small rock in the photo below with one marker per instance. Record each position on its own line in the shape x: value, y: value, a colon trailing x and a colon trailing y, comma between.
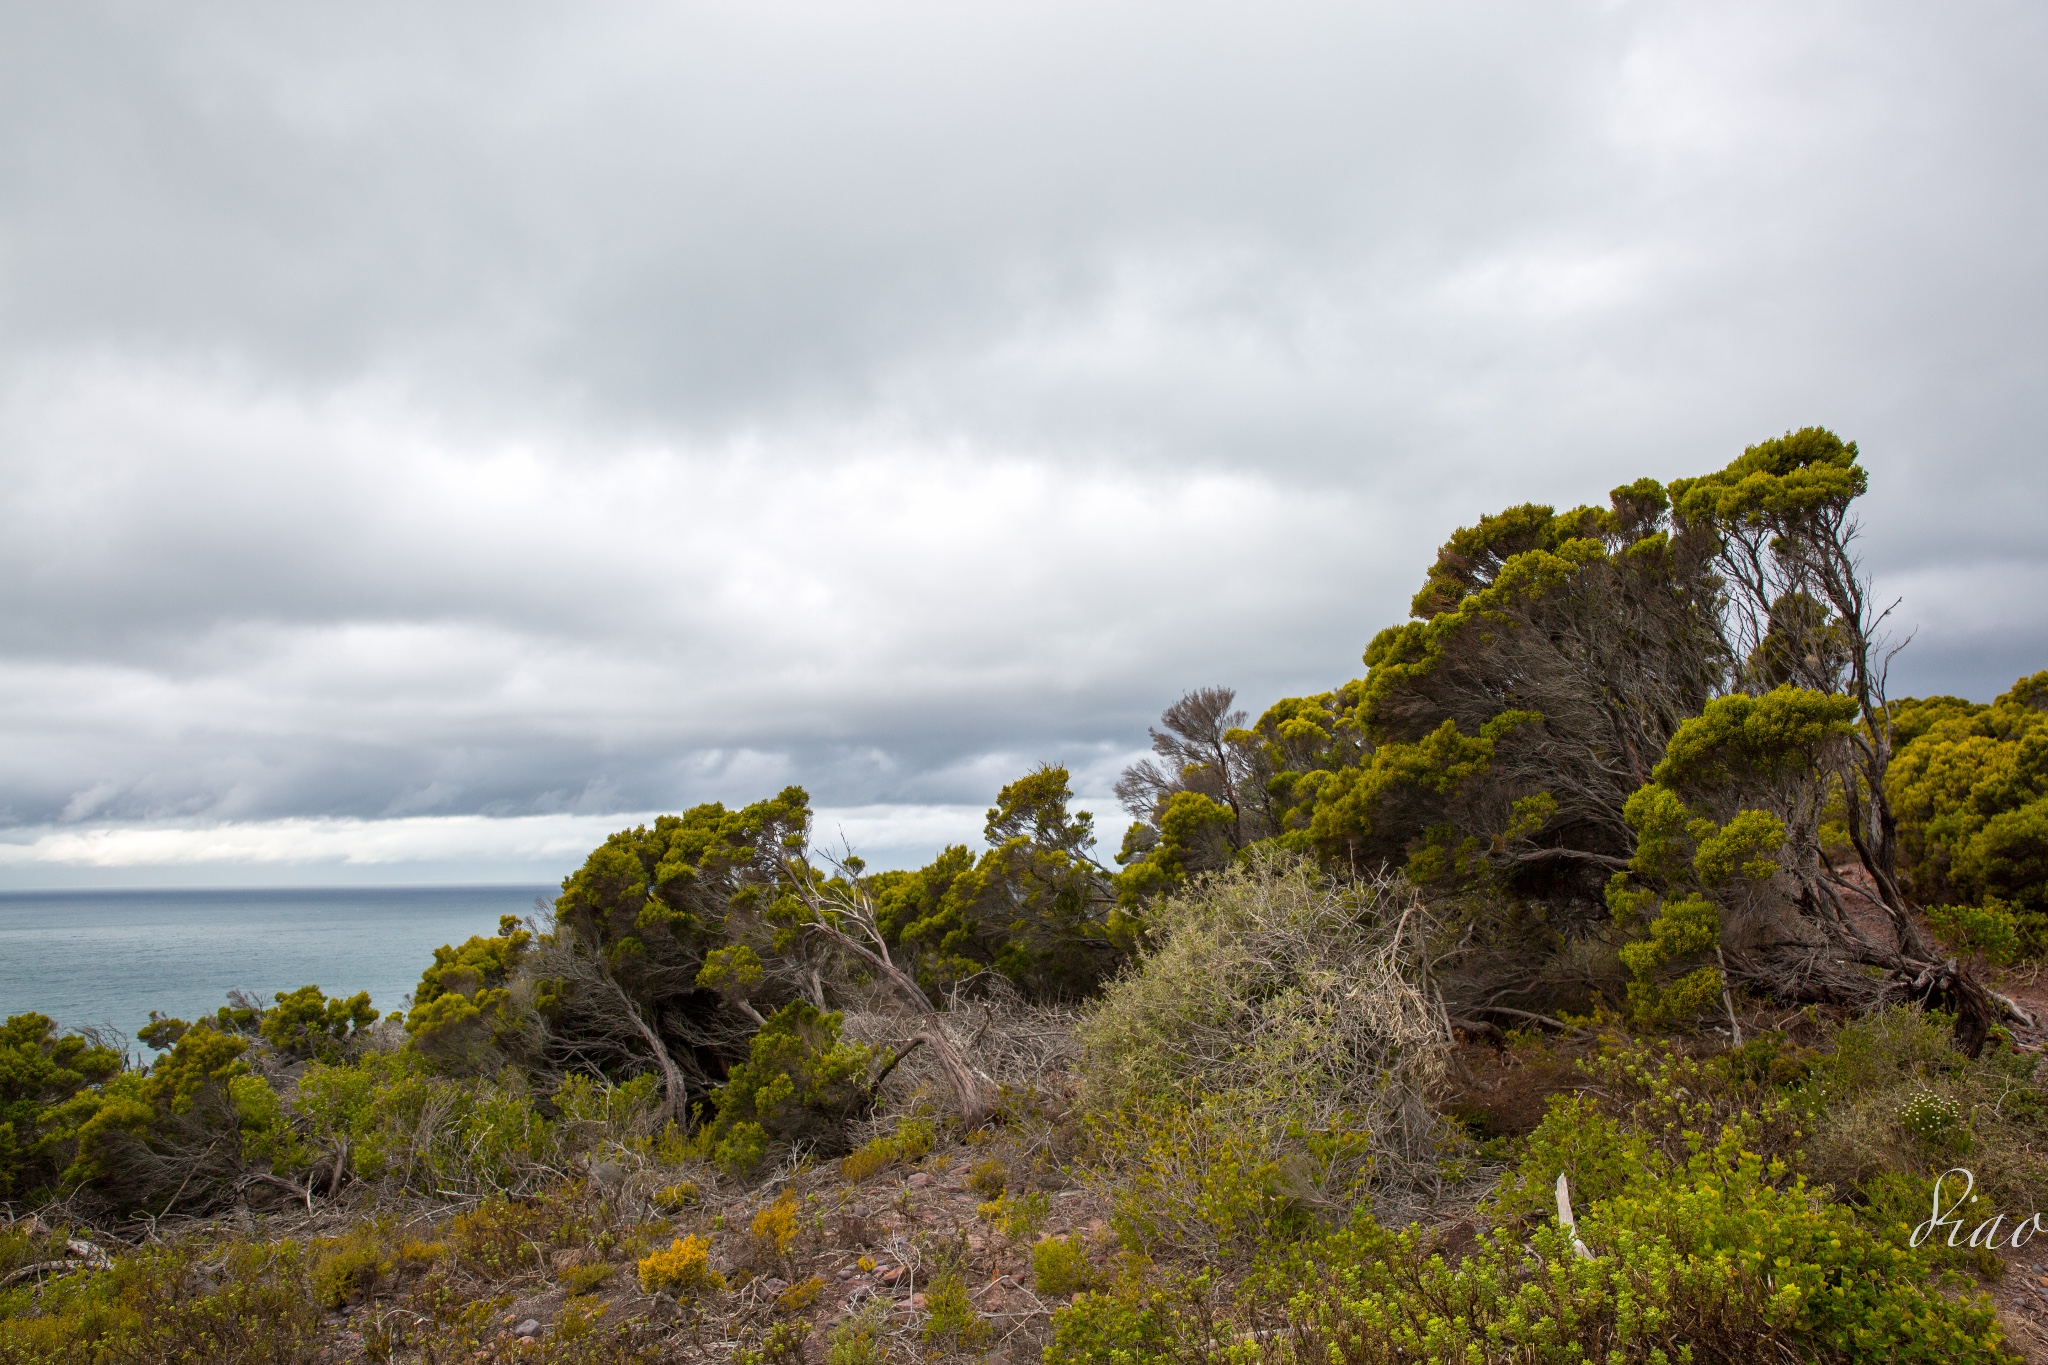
x: 773, y: 1285
x: 845, y: 1273
x: 892, y: 1274
x: 921, y: 1180
x: 861, y: 1293
x: 917, y: 1303
x: 529, y: 1328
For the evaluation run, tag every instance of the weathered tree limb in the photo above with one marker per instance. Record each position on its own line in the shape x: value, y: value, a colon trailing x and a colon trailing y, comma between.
x: 672, y: 1086
x: 832, y: 910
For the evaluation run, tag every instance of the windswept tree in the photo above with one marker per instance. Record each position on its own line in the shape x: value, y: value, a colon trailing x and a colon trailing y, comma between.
x: 673, y: 942
x: 1801, y: 611
x: 1200, y: 746
x: 1035, y: 907
x: 1514, y: 748
x: 1969, y: 785
x: 1497, y: 736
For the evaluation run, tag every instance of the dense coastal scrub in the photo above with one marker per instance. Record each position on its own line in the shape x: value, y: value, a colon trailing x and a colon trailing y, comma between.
x: 1618, y: 868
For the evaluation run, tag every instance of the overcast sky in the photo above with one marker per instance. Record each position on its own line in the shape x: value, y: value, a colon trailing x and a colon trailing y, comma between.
x: 435, y: 433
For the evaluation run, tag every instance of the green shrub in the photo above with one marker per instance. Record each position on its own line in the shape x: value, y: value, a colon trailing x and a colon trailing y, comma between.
x: 912, y: 1139
x: 684, y: 1269
x: 800, y: 1082
x: 399, y: 1119
x: 1894, y: 1096
x: 1929, y: 1115
x: 1206, y: 1185
x: 1716, y: 1261
x: 856, y: 1341
x: 673, y: 1199
x: 501, y: 1237
x: 1966, y: 785
x: 1124, y: 1326
x: 347, y: 1269
x: 950, y: 1318
x: 464, y: 1014
x: 585, y: 1279
x: 253, y: 1303
x: 1059, y: 1266
x: 41, y: 1070
x: 306, y: 1024
x: 988, y: 1178
x: 1019, y: 1216
x: 181, y: 1134
x: 783, y: 1345
x: 1992, y: 930
x: 1721, y: 1258
x: 1599, y: 1154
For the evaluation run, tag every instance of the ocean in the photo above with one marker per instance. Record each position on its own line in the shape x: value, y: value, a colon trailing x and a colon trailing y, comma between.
x: 110, y: 957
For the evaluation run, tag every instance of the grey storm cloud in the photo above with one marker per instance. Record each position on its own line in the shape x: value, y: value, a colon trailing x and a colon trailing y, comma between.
x: 518, y: 410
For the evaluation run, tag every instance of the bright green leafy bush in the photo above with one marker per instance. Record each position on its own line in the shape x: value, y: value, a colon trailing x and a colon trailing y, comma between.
x: 800, y: 1082
x: 41, y: 1071
x: 305, y: 1023
x: 1059, y: 1266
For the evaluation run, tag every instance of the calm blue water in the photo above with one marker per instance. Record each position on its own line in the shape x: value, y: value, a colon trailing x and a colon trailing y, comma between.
x: 110, y: 957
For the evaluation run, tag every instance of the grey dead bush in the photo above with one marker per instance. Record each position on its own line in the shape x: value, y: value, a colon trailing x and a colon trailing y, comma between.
x: 1294, y: 1006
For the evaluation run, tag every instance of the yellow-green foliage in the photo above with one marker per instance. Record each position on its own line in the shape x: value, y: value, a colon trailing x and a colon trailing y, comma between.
x: 253, y: 1303
x: 503, y: 1236
x: 403, y: 1121
x: 988, y: 1178
x: 912, y: 1139
x: 1436, y: 756
x: 684, y: 1269
x: 1969, y: 786
x: 348, y: 1269
x: 1993, y: 930
x: 783, y: 1345
x: 1701, y: 844
x: 1205, y: 1185
x: 1893, y: 1096
x: 1019, y: 1216
x: 775, y: 1227
x: 268, y: 1137
x: 1722, y: 1256
x: 201, y: 1094
x: 41, y: 1071
x: 677, y: 1197
x: 856, y: 1341
x: 1028, y: 907
x: 800, y: 1080
x: 1059, y: 1267
x: 800, y: 1295
x: 585, y: 1279
x: 1193, y: 836
x: 305, y: 1023
x: 607, y: 1110
x: 463, y: 1004
x: 950, y: 1316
